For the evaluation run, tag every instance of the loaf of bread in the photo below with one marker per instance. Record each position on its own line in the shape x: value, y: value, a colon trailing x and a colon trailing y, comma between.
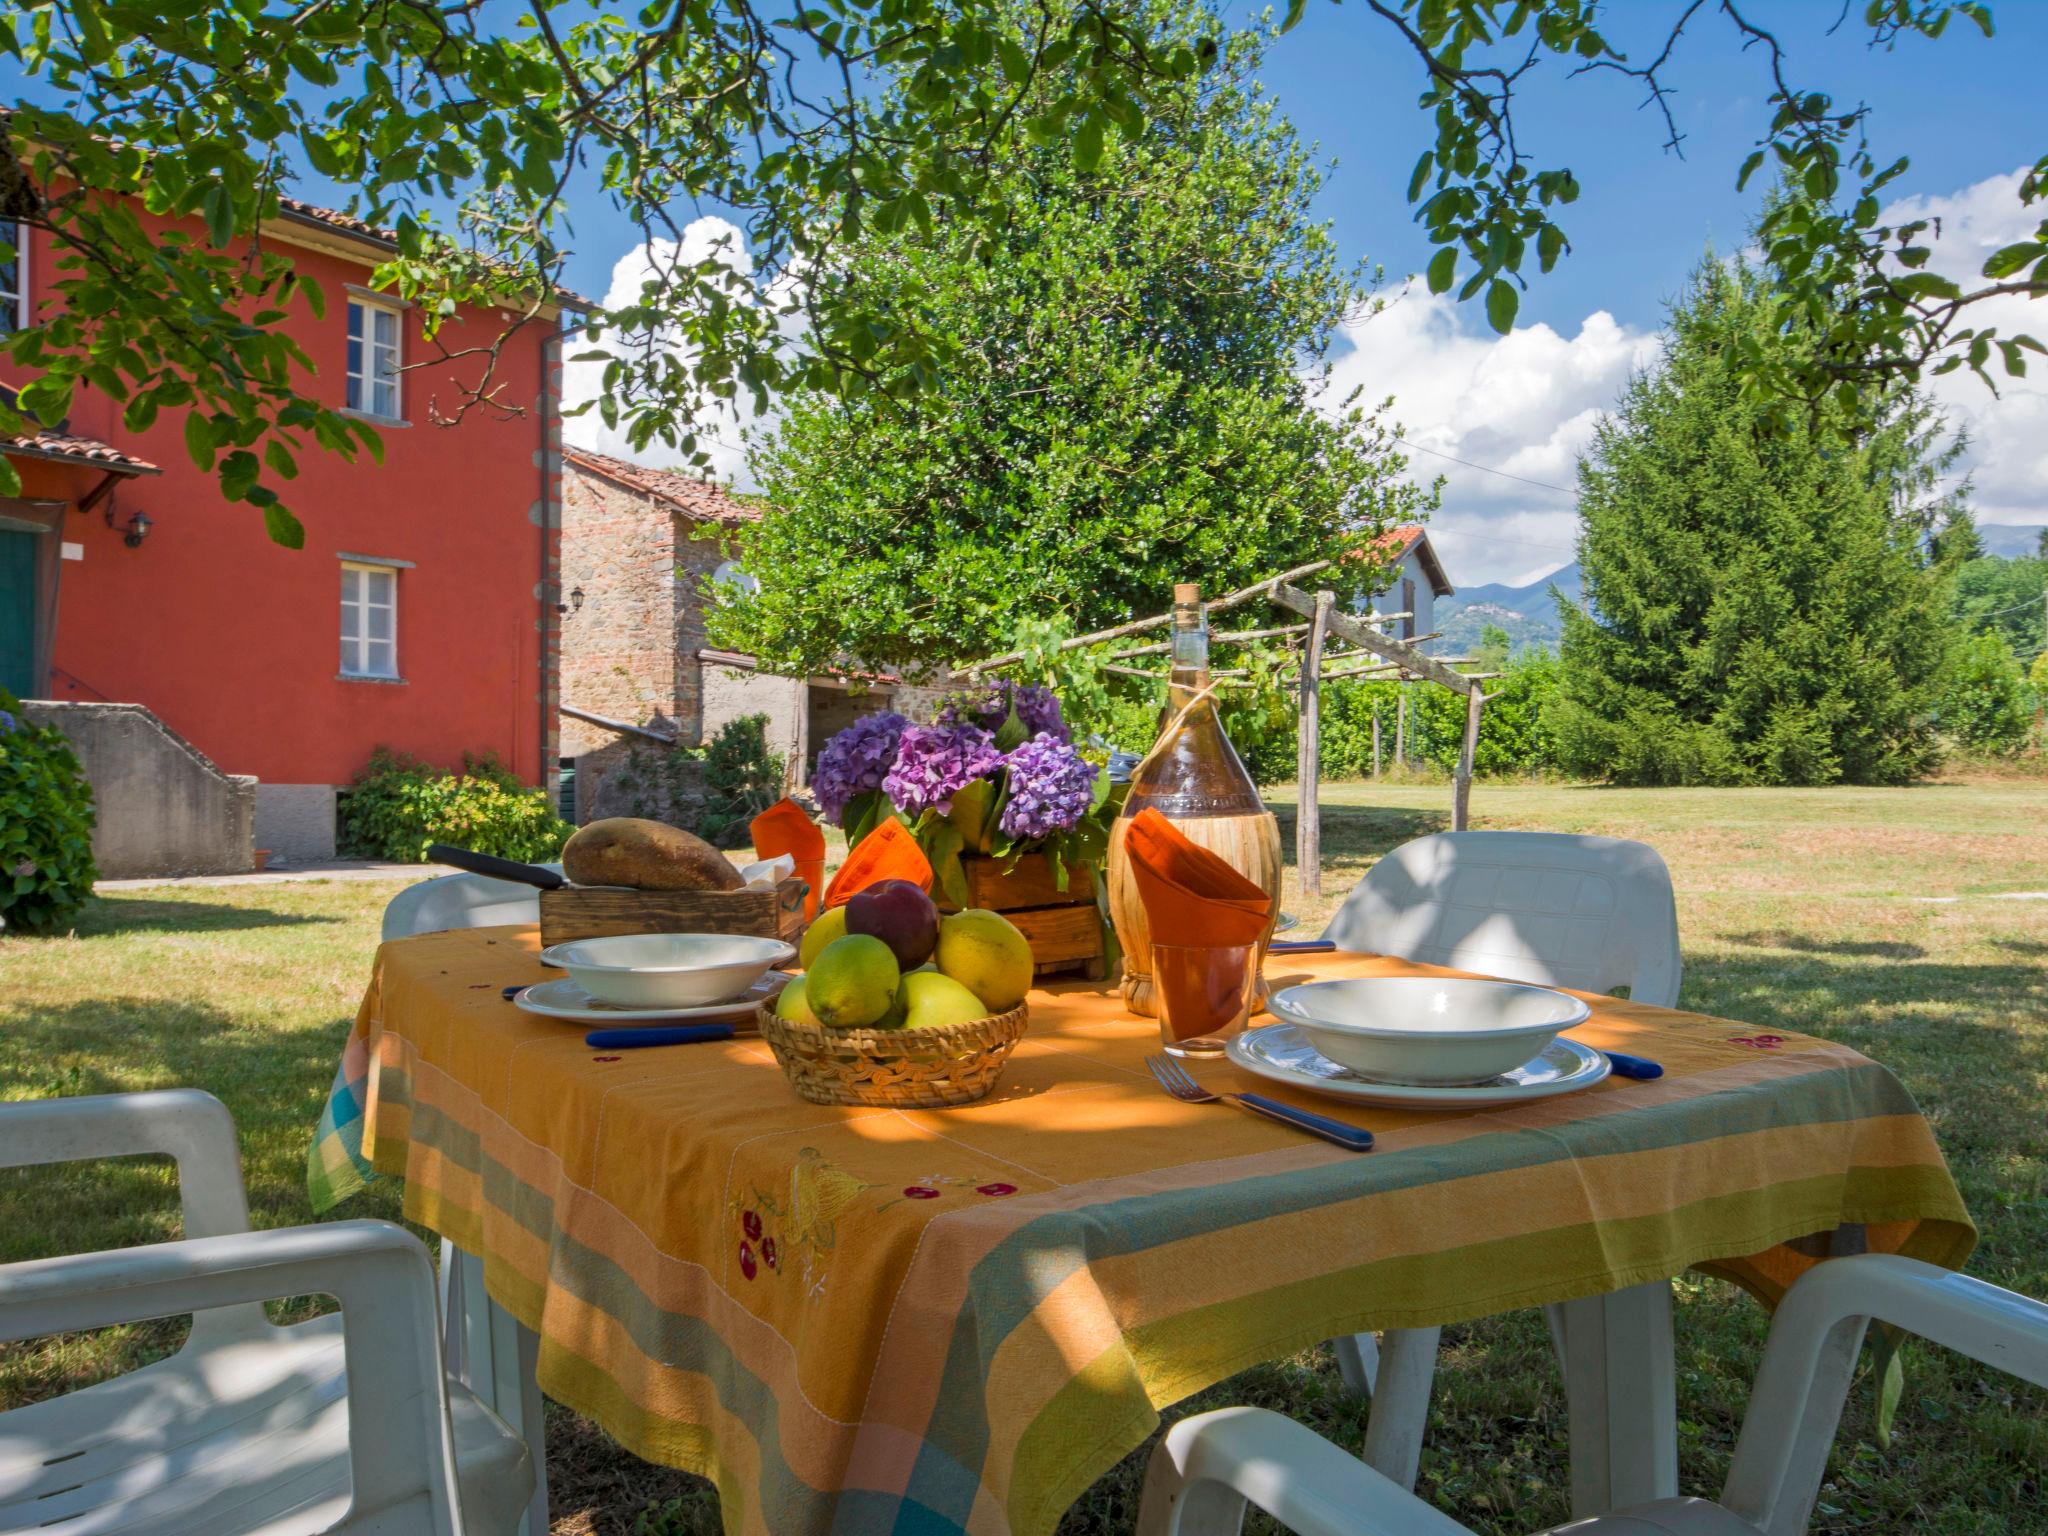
x: 648, y: 855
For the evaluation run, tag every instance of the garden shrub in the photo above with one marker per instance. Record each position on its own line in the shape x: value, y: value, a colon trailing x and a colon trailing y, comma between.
x: 743, y: 776
x: 1985, y: 706
x: 398, y: 805
x: 714, y: 790
x: 46, y: 822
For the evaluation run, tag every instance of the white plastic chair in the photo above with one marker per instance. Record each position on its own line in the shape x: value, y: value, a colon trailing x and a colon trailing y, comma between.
x: 461, y: 901
x: 343, y: 1423
x: 1208, y: 1467
x: 1592, y: 913
x: 481, y: 1345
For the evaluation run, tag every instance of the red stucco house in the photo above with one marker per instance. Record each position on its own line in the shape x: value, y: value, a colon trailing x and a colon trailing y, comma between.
x: 421, y: 613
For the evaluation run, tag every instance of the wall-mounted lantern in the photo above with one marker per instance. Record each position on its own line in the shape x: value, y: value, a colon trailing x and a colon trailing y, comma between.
x: 135, y: 530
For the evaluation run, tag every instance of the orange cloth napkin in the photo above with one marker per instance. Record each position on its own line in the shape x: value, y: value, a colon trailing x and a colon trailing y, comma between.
x: 1189, y: 892
x: 784, y: 828
x: 887, y: 853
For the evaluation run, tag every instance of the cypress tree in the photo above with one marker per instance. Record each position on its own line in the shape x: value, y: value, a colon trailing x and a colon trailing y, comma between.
x: 1759, y: 606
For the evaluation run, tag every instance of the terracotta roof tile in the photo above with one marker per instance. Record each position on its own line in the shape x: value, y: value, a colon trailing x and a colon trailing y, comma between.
x: 1395, y: 543
x: 378, y: 234
x: 686, y: 493
x: 68, y: 449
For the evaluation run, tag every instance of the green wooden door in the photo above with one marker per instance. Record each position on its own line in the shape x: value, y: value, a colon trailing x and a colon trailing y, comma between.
x: 17, y: 610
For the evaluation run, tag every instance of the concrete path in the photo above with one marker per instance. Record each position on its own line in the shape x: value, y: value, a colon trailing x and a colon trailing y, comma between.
x: 298, y: 869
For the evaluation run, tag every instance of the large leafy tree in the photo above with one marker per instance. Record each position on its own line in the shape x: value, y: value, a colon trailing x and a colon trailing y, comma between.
x: 1759, y: 606
x: 1136, y: 348
x: 500, y: 116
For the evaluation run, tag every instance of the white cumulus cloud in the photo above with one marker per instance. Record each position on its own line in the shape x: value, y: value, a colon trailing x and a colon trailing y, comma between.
x: 1526, y: 404
x: 718, y: 428
x: 2008, y: 431
x: 1523, y: 405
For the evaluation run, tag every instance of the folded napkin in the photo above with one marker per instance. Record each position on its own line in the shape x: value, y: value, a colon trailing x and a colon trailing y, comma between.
x: 887, y: 853
x: 784, y: 829
x: 1191, y: 896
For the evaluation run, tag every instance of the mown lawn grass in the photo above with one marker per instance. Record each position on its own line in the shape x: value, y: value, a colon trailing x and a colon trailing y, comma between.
x: 1802, y: 910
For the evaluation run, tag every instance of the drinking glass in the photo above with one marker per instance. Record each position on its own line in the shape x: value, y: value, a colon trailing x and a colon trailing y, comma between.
x: 1204, y: 995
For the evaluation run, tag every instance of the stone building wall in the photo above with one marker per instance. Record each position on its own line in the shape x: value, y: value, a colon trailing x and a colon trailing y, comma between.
x: 619, y: 656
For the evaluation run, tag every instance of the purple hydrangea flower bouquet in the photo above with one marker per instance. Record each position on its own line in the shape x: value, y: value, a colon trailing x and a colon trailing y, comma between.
x: 996, y: 775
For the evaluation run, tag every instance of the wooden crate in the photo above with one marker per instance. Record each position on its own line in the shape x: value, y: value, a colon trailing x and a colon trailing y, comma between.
x: 594, y: 912
x: 1063, y: 927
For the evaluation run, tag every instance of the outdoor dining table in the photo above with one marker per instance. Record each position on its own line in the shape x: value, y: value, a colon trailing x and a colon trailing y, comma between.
x: 860, y: 1320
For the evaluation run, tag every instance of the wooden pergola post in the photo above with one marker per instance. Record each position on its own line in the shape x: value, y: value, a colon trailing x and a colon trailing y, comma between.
x: 1375, y: 738
x: 1308, y: 819
x: 1401, y: 728
x: 1461, y: 786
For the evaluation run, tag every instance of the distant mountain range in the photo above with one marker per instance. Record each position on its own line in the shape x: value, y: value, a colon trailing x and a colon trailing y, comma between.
x: 2009, y: 540
x: 1528, y: 614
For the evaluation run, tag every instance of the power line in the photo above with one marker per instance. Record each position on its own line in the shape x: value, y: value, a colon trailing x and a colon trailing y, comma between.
x: 1541, y: 485
x: 2032, y: 602
x: 1495, y: 538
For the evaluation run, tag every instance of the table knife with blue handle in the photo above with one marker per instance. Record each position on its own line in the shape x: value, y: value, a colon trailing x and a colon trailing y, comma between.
x: 662, y: 1034
x: 1354, y: 1138
x: 1640, y: 1068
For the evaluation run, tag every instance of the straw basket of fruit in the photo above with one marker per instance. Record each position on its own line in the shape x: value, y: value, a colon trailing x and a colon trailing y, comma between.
x: 902, y: 1068
x: 897, y: 1007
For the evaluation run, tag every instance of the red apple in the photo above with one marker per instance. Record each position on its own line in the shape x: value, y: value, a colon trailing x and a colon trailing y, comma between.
x: 900, y: 915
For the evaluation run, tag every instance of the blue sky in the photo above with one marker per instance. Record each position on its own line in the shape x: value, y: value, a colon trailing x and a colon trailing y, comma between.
x: 1968, y: 110
x: 1963, y: 107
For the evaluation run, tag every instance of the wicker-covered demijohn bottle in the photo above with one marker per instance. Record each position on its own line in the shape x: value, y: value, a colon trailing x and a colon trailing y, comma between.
x: 1194, y: 778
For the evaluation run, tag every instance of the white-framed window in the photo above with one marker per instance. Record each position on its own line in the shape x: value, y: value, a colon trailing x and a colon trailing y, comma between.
x: 369, y: 620
x: 373, y: 359
x: 14, y: 279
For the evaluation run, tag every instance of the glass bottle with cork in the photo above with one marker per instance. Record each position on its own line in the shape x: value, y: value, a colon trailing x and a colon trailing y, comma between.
x: 1193, y: 777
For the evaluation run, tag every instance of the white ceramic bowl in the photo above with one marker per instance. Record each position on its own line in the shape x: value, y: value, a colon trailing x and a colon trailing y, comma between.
x: 1420, y: 1030
x: 667, y: 970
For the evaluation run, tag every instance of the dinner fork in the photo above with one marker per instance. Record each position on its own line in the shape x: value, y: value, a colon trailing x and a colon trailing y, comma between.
x: 1180, y: 1083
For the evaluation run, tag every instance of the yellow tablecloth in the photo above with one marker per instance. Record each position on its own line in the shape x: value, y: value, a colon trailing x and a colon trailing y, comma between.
x: 859, y: 1320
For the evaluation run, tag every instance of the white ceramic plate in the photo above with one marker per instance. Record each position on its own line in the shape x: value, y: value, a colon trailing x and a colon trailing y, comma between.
x: 1428, y: 1031
x: 1283, y: 1053
x: 667, y: 970
x: 563, y: 999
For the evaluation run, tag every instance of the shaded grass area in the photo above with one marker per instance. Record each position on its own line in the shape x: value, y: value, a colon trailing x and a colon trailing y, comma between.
x: 1800, y: 910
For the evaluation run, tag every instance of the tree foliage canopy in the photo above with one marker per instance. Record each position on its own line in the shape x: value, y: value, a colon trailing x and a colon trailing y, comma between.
x: 1758, y: 606
x: 509, y: 114
x: 1130, y: 404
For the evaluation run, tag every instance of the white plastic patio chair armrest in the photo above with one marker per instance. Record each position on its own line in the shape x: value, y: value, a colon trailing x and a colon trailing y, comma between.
x: 1810, y: 1360
x: 1209, y: 1466
x: 400, y: 1448
x: 184, y: 1123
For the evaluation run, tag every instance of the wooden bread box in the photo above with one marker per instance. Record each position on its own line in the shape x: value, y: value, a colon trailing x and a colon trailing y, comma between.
x: 1063, y: 927
x: 598, y: 911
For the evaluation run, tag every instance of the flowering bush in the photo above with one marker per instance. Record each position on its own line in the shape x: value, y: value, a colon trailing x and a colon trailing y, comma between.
x: 935, y: 762
x: 995, y: 773
x: 46, y: 821
x: 398, y: 806
x: 1050, y: 787
x: 1011, y: 712
x: 855, y: 762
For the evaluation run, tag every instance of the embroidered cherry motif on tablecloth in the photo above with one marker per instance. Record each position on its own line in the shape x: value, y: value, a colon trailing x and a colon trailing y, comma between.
x: 995, y: 1191
x: 747, y: 1265
x: 1758, y: 1042
x: 921, y: 1192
